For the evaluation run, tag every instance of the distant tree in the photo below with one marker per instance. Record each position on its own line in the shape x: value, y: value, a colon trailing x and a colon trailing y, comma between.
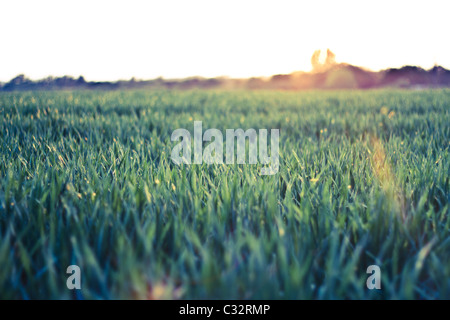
x: 315, y: 60
x: 17, y: 82
x: 80, y: 80
x: 319, y: 66
x: 331, y: 58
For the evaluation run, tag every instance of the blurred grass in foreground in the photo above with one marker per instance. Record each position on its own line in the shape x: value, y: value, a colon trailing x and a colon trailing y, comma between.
x: 87, y: 179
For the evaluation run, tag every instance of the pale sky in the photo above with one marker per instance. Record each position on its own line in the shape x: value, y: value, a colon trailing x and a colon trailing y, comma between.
x: 110, y: 40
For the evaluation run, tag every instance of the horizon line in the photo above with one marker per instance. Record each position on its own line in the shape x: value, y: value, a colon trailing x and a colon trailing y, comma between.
x: 198, y: 76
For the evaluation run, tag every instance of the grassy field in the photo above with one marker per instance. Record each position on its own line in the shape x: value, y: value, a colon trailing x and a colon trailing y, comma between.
x: 87, y: 179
